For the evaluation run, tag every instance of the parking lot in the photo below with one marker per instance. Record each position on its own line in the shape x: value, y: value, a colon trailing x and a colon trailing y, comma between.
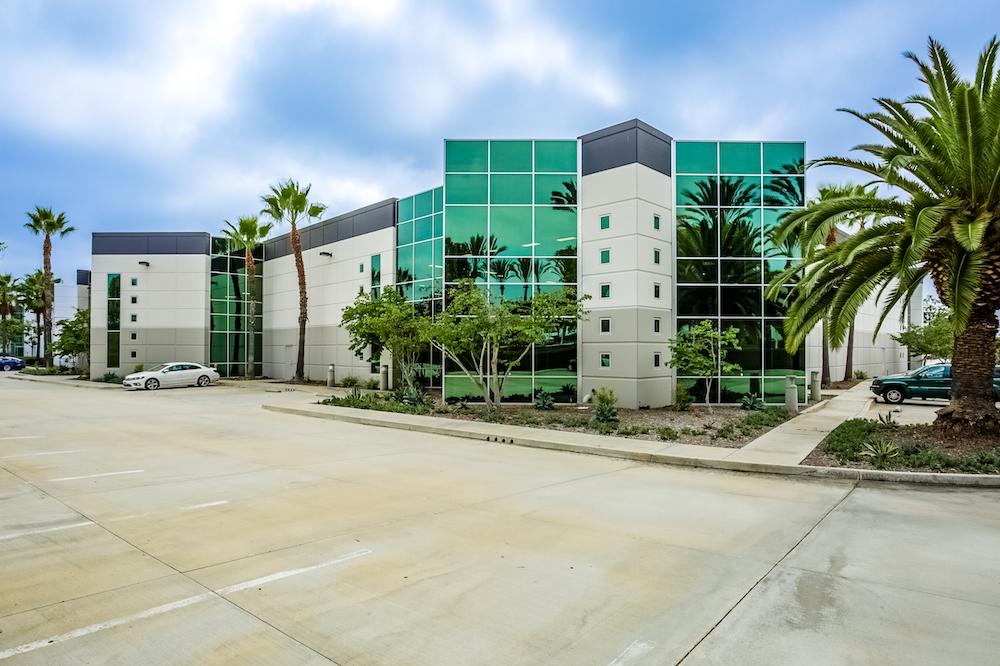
x: 191, y: 526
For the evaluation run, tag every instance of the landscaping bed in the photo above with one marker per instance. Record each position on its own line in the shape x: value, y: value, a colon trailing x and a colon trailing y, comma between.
x: 724, y: 426
x: 865, y: 444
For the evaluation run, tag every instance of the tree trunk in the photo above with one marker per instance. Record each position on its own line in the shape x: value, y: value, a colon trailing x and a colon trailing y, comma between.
x: 849, y: 359
x: 300, y: 362
x: 47, y: 297
x: 38, y: 338
x: 252, y: 314
x: 825, y: 370
x: 973, y: 402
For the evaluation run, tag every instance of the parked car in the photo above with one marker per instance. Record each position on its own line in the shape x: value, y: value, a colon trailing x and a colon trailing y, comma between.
x: 175, y: 373
x: 930, y: 381
x: 8, y: 363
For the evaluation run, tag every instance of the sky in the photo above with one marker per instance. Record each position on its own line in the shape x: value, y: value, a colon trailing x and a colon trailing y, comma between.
x: 136, y: 116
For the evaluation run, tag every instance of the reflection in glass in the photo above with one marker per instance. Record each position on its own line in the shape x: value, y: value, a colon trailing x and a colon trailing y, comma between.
x: 784, y: 158
x: 748, y: 357
x: 462, y: 188
x: 741, y: 272
x: 697, y: 301
x: 741, y: 235
x: 784, y: 191
x: 739, y: 157
x: 739, y: 191
x: 697, y: 157
x: 555, y: 231
x: 696, y: 270
x: 465, y: 156
x: 697, y: 191
x: 696, y: 232
x: 741, y: 301
x: 510, y: 188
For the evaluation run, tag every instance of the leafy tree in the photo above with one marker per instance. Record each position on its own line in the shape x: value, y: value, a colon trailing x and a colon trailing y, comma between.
x: 389, y: 322
x: 701, y: 350
x: 246, y: 235
x: 8, y: 295
x: 487, y: 340
x: 43, y: 222
x: 31, y: 294
x: 939, y: 151
x: 935, y: 339
x: 288, y: 203
x: 12, y: 329
x: 73, y: 340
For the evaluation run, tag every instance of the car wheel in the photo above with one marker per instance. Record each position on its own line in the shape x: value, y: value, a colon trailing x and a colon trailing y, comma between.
x: 6, y: 367
x: 893, y: 395
x: 204, y: 381
x: 152, y: 384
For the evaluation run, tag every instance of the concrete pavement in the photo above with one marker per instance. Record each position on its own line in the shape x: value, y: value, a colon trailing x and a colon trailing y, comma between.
x: 190, y: 526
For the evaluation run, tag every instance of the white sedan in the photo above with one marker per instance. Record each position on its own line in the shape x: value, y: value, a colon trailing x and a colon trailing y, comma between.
x: 177, y: 373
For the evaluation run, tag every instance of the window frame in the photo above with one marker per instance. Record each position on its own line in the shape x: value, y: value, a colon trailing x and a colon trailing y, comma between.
x: 606, y: 217
x: 601, y: 255
x: 600, y: 290
x: 602, y: 321
x: 604, y: 356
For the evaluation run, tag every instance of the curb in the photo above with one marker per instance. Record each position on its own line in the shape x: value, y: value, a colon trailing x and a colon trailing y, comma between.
x: 364, y: 417
x: 75, y: 383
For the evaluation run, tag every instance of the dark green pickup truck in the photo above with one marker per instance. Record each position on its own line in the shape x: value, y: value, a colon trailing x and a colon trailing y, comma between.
x: 931, y: 381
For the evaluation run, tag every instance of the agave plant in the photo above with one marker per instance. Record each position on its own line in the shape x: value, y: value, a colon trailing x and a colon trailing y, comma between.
x: 935, y: 215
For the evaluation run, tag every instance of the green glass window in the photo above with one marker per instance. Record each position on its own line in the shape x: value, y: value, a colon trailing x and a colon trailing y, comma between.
x: 789, y: 247
x: 697, y: 191
x: 605, y: 291
x: 749, y: 356
x: 555, y: 156
x: 423, y: 228
x: 438, y: 225
x: 557, y: 269
x: 741, y: 272
x: 438, y: 199
x: 558, y: 189
x: 741, y: 234
x: 463, y: 268
x: 135, y: 282
x: 555, y: 231
x: 404, y: 264
x: 739, y: 191
x: 605, y: 360
x: 656, y: 256
x: 739, y: 157
x: 404, y: 233
x: 777, y: 361
x: 465, y: 155
x: 133, y: 317
x: 114, y: 285
x: 605, y: 256
x: 784, y: 191
x: 466, y: 228
x: 697, y: 232
x: 697, y: 157
x: 423, y: 204
x: 376, y: 264
x: 114, y: 315
x: 772, y: 267
x: 423, y: 261
x: 404, y: 209
x: 466, y: 188
x: 114, y: 349
x: 697, y: 301
x: 511, y: 227
x: 778, y: 307
x: 656, y: 222
x: 605, y: 325
x: 510, y: 189
x: 741, y: 301
x: 510, y: 156
x: 605, y: 222
x: 696, y: 270
x: 784, y: 157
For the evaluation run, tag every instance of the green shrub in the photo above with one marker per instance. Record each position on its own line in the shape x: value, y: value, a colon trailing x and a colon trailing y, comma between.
x: 605, y: 407
x: 544, y: 400
x: 632, y: 431
x: 845, y: 441
x: 667, y: 434
x: 682, y: 399
x: 139, y: 367
x: 494, y: 416
x: 350, y: 381
x: 690, y: 432
x: 860, y: 374
x: 752, y: 402
x: 879, y: 451
x: 110, y: 378
x: 372, y: 384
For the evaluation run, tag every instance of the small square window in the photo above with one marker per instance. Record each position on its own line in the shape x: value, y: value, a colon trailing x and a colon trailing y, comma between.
x: 606, y: 256
x: 656, y: 256
x: 132, y: 336
x: 656, y: 221
x: 656, y: 290
x: 133, y: 317
x: 656, y: 325
x: 656, y: 360
x: 132, y: 354
x: 605, y: 360
x: 134, y: 300
x: 361, y: 268
x: 605, y: 221
x: 605, y: 291
x: 606, y: 325
x: 135, y: 282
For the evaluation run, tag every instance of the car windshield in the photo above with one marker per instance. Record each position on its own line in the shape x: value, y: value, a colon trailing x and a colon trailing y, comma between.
x: 157, y: 368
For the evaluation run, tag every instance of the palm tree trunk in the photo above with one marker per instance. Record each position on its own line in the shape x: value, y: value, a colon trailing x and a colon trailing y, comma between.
x: 251, y: 314
x: 38, y: 338
x: 47, y: 297
x: 300, y: 362
x: 849, y: 359
x: 973, y: 402
x: 825, y: 370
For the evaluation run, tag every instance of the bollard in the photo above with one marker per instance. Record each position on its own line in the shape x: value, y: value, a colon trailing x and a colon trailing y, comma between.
x: 330, y: 376
x: 383, y: 380
x: 814, y: 386
x: 791, y: 395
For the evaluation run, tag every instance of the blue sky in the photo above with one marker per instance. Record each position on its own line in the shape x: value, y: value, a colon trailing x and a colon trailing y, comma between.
x: 132, y: 116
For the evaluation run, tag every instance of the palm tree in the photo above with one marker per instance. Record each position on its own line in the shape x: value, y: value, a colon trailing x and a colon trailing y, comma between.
x: 8, y: 295
x: 943, y: 157
x: 288, y: 203
x: 246, y: 235
x: 524, y: 270
x: 43, y: 222
x: 31, y: 293
x: 565, y: 199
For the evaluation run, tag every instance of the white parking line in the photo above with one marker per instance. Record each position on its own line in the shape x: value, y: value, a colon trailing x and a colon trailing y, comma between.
x: 41, y: 453
x: 189, y: 507
x: 634, y: 650
x: 174, y: 605
x: 94, y: 476
x: 45, y: 529
x: 7, y: 439
x: 206, y: 505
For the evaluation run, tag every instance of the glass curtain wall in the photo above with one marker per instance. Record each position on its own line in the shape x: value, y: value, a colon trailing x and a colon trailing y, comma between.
x: 420, y: 265
x: 730, y: 197
x: 230, y: 297
x: 114, y: 319
x: 511, y: 226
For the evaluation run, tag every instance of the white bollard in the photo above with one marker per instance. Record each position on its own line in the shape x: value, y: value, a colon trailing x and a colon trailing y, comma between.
x: 791, y: 395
